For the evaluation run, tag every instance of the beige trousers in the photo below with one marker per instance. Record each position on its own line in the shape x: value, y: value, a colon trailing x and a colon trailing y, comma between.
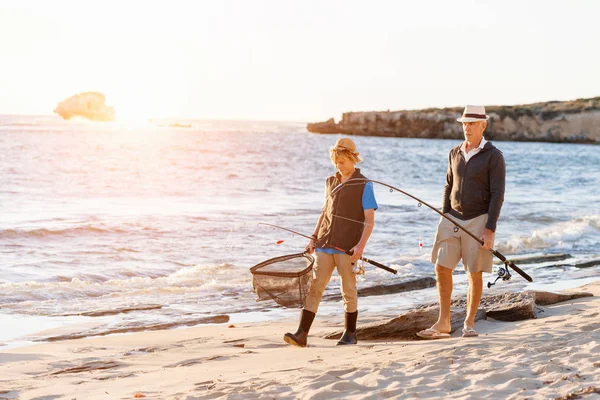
x: 322, y: 271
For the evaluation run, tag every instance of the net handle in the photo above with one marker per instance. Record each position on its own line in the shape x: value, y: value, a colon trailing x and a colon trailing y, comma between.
x: 255, y: 270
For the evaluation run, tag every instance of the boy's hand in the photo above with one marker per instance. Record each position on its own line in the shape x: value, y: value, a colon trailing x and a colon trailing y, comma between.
x: 310, y: 247
x: 357, y: 252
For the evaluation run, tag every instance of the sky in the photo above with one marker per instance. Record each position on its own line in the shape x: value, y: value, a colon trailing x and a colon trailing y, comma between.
x: 295, y: 60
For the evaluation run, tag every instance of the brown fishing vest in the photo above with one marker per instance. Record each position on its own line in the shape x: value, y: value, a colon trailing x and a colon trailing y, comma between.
x: 344, y: 217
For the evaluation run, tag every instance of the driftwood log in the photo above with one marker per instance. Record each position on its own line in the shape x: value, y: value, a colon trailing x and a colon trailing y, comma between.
x: 503, y: 307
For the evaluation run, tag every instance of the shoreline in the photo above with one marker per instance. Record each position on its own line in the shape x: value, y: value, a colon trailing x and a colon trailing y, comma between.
x: 36, y: 329
x: 552, y: 356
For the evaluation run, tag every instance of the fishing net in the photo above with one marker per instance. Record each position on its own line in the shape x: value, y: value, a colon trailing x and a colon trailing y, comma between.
x: 285, y: 279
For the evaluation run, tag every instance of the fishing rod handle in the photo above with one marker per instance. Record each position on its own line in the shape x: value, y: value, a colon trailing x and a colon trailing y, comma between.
x: 500, y: 256
x: 512, y: 265
x: 374, y: 263
x: 378, y: 265
x: 520, y: 271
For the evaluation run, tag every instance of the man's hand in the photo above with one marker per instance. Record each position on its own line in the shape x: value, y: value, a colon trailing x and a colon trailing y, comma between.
x: 310, y: 247
x: 488, y: 238
x: 357, y: 252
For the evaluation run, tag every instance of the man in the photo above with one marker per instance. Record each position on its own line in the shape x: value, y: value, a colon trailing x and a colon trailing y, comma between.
x: 473, y: 196
x: 345, y: 224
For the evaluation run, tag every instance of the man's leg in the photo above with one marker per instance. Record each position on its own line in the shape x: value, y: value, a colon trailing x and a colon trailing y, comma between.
x: 473, y: 298
x: 445, y: 255
x: 444, y: 287
x: 476, y: 260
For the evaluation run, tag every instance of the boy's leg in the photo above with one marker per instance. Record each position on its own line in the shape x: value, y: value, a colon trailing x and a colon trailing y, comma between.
x: 350, y: 296
x: 322, y: 271
x: 348, y: 282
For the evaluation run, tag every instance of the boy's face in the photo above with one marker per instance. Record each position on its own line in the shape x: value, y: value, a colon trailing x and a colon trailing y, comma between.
x: 344, y: 165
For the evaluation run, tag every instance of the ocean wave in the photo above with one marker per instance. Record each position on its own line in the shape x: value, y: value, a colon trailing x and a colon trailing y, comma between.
x: 43, y: 232
x: 19, y: 123
x: 207, y: 280
x: 126, y: 250
x: 563, y: 234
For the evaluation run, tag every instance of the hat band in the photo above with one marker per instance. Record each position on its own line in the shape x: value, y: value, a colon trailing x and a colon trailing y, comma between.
x: 482, y: 116
x: 343, y: 148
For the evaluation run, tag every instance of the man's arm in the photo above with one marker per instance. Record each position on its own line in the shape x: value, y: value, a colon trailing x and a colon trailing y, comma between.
x: 497, y: 177
x: 367, y: 230
x: 448, y: 187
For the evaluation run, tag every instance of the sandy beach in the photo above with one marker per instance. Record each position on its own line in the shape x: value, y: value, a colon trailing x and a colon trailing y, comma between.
x: 554, y: 356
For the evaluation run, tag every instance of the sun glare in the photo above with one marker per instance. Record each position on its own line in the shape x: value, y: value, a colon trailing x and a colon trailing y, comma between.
x: 132, y: 112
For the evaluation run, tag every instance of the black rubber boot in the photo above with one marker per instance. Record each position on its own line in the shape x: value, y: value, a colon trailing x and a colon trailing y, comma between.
x: 299, y: 338
x: 349, y: 336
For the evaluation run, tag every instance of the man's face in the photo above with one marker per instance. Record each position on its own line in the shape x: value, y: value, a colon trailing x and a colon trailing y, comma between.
x: 474, y: 130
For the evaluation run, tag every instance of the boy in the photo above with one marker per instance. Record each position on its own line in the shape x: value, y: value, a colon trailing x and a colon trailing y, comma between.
x: 346, y: 222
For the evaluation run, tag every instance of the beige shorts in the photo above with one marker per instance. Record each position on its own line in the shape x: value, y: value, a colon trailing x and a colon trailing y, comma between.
x: 450, y: 247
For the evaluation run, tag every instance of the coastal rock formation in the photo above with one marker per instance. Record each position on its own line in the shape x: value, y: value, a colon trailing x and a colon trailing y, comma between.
x: 405, y: 326
x: 554, y: 121
x: 328, y: 126
x: 521, y: 305
x: 90, y: 105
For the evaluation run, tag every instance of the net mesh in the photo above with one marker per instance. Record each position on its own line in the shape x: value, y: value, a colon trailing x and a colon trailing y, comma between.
x: 285, y: 279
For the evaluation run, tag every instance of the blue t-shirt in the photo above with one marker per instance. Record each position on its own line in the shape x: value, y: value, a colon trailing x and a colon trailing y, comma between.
x: 368, y: 203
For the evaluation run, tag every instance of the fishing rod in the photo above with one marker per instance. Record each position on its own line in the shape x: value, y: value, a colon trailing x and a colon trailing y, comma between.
x: 375, y: 263
x: 503, y: 273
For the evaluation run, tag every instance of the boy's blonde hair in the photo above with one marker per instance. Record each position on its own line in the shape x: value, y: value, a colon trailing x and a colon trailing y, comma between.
x: 336, y: 152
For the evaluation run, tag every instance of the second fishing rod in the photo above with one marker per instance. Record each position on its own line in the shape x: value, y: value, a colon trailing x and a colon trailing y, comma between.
x: 502, y: 273
x: 367, y: 260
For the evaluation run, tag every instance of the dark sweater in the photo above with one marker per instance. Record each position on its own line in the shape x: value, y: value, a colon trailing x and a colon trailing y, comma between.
x: 477, y: 187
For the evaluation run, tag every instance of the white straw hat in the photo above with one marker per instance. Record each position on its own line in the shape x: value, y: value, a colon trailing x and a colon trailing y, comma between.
x: 474, y: 113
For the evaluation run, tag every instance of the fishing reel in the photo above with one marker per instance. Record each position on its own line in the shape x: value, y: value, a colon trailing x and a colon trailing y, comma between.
x: 359, y: 268
x: 503, y: 273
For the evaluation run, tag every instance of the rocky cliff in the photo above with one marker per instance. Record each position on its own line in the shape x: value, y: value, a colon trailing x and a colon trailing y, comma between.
x: 90, y: 105
x: 553, y: 121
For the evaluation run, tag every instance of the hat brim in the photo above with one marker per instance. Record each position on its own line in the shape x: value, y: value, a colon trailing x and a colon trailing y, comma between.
x: 469, y: 119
